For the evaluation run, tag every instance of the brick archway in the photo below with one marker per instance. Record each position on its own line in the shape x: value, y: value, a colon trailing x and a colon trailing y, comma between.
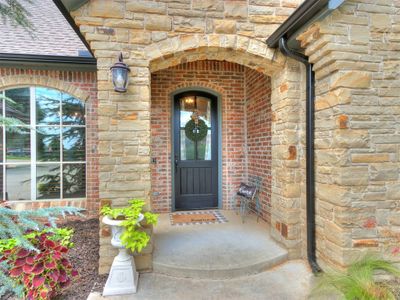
x: 50, y: 81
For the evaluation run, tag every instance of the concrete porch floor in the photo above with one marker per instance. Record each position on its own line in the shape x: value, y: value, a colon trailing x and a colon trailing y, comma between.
x: 215, y: 251
x: 219, y: 261
x: 289, y: 281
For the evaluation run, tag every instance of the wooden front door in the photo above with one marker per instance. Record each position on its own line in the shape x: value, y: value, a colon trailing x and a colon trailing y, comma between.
x: 195, y: 150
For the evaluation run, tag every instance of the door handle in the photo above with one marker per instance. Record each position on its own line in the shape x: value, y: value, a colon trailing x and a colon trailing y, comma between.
x: 176, y: 163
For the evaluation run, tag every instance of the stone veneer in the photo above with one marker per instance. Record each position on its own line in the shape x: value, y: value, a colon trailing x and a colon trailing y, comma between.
x: 355, y: 52
x: 158, y: 35
x: 81, y: 85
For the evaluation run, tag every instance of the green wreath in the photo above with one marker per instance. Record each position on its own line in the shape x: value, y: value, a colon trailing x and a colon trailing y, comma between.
x: 193, y: 134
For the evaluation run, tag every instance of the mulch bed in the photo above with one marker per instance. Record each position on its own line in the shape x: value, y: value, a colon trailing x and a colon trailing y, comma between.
x: 84, y: 256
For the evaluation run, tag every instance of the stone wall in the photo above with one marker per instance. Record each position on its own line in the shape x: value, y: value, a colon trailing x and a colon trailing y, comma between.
x: 356, y: 59
x: 288, y: 188
x: 149, y: 34
x: 158, y: 35
x: 81, y: 85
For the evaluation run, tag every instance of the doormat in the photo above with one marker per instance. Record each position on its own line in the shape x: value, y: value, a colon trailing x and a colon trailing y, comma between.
x: 197, y: 217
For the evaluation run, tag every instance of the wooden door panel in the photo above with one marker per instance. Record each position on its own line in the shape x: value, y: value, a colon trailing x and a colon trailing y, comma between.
x: 196, y: 181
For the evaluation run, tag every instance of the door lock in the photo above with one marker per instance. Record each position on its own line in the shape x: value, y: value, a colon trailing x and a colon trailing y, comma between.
x: 176, y: 163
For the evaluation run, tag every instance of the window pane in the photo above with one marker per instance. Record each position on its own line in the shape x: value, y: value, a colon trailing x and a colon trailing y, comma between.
x: 19, y: 106
x: 48, y: 181
x: 73, y: 144
x: 18, y: 145
x: 73, y: 110
x: 18, y: 182
x: 48, y: 143
x: 74, y: 181
x: 47, y: 106
x: 204, y: 147
x: 1, y: 102
x: 187, y: 147
x: 204, y: 109
x: 187, y: 108
x: 1, y: 183
x: 1, y: 146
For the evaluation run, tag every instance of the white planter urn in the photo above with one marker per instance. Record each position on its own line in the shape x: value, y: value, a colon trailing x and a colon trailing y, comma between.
x: 123, y: 277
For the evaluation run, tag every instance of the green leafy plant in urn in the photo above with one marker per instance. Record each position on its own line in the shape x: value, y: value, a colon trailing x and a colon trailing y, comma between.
x: 128, y: 237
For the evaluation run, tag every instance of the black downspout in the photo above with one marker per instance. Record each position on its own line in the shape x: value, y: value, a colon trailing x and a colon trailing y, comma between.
x: 310, y: 168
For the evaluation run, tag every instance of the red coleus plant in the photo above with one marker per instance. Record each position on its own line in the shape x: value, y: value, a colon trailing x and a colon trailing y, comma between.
x: 44, y: 274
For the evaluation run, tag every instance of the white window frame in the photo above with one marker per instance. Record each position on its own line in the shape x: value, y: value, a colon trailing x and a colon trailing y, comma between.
x: 33, y: 161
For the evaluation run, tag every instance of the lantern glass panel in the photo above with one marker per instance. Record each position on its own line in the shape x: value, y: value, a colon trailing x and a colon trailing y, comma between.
x: 120, y: 78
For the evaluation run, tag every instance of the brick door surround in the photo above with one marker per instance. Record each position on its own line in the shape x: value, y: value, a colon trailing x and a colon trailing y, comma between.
x: 236, y: 94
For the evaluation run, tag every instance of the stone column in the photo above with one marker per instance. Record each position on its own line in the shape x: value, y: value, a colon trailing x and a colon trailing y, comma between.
x: 357, y: 138
x: 287, y: 157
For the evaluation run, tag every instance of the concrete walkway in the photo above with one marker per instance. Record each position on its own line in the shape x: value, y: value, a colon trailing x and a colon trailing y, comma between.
x: 215, y: 251
x: 219, y: 261
x: 290, y: 281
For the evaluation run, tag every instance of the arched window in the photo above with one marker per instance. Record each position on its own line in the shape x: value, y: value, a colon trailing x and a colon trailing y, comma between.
x: 42, y: 150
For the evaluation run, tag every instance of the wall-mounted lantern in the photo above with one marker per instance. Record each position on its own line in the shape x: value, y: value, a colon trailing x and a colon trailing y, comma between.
x: 119, y: 73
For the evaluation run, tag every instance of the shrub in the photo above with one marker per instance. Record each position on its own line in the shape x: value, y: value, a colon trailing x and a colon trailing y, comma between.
x: 44, y: 274
x: 17, y: 229
x: 61, y: 235
x: 359, y: 282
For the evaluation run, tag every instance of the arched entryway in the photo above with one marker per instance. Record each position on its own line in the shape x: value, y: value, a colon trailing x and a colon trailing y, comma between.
x: 242, y: 126
x: 282, y: 206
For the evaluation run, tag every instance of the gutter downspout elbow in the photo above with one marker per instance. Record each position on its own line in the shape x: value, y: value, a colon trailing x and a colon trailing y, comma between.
x: 310, y: 167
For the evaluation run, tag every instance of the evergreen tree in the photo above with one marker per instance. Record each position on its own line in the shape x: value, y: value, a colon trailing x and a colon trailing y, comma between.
x: 14, y: 11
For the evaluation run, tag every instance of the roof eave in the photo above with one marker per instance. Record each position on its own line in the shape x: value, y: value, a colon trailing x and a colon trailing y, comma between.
x: 48, y: 61
x: 306, y: 12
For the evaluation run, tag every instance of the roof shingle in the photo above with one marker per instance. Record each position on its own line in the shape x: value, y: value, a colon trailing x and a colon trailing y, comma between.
x: 53, y: 35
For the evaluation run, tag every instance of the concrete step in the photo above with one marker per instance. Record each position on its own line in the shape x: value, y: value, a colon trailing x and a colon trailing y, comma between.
x: 213, y: 272
x: 215, y: 251
x: 289, y: 281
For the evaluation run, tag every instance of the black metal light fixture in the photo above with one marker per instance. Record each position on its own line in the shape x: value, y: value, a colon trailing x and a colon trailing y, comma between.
x: 119, y: 73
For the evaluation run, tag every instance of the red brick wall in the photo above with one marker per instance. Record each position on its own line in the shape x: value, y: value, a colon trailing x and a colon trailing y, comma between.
x: 258, y: 117
x: 83, y: 81
x: 229, y: 80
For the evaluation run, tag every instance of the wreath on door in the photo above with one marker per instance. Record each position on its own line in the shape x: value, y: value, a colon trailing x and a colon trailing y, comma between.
x: 196, y: 132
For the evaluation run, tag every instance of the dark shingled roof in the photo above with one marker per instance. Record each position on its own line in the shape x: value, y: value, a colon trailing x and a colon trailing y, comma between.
x: 53, y: 35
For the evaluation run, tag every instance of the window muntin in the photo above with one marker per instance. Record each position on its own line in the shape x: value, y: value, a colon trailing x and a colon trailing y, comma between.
x: 43, y: 157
